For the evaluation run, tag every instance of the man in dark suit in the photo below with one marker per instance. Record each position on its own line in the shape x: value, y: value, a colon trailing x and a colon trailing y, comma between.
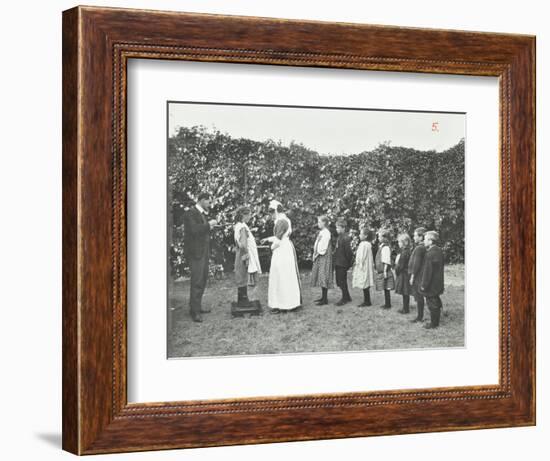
x: 197, y: 249
x: 343, y: 260
x: 432, y: 283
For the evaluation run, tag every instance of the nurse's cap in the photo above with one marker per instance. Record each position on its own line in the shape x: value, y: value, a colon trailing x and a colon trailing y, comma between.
x: 274, y: 204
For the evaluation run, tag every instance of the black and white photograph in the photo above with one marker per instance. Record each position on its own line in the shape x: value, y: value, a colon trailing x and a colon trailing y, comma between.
x: 313, y: 229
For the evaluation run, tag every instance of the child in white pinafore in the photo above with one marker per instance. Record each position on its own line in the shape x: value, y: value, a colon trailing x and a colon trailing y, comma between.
x: 363, y: 269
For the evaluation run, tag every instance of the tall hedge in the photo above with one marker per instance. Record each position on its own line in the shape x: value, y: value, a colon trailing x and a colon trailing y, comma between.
x: 395, y: 187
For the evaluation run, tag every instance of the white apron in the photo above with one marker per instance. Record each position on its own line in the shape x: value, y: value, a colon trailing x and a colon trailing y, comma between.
x: 284, y: 282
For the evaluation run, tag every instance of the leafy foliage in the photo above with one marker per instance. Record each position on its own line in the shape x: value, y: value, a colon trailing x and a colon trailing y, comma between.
x: 394, y: 187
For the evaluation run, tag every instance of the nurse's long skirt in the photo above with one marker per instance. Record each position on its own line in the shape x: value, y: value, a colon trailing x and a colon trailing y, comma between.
x: 284, y: 281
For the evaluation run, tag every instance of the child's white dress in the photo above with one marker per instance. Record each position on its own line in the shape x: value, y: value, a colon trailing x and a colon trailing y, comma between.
x: 252, y: 265
x: 363, y: 269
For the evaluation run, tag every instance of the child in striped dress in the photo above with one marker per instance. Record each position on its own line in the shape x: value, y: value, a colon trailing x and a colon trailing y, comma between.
x: 384, y: 275
x: 321, y: 272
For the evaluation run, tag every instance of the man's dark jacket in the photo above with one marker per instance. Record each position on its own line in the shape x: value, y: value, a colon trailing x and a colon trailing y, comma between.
x: 197, y: 234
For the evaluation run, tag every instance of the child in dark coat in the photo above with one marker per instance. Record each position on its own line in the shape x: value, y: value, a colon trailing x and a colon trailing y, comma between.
x: 343, y: 260
x: 416, y: 263
x: 432, y: 283
x: 402, y: 286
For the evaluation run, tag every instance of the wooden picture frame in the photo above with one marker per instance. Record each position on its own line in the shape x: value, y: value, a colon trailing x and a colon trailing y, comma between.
x: 97, y: 43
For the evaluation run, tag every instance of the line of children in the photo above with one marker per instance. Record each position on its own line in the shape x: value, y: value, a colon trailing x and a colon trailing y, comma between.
x: 419, y: 270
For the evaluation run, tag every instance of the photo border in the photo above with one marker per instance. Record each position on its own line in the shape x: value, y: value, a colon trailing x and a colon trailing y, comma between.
x: 169, y: 320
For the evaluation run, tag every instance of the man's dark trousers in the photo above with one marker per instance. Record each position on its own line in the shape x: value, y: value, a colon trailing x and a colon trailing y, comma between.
x: 199, y: 277
x: 197, y: 250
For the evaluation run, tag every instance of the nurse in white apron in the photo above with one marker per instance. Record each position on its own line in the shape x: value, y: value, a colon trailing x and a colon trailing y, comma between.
x: 284, y: 277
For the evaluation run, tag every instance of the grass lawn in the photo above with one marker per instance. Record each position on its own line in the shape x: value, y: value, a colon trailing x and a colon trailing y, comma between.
x: 313, y: 328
